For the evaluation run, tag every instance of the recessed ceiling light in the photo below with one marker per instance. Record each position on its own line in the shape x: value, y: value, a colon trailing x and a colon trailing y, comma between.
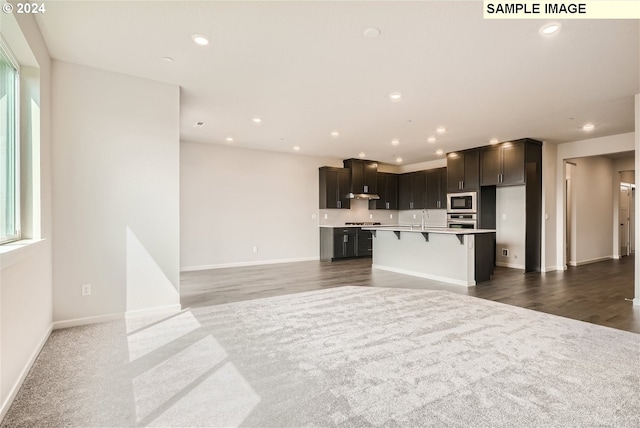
x: 549, y: 29
x: 371, y: 33
x: 399, y: 159
x: 431, y: 139
x: 441, y: 129
x: 395, y: 96
x: 296, y: 148
x: 257, y: 120
x: 395, y: 142
x: 198, y: 124
x: 588, y: 127
x: 335, y: 134
x: 167, y: 59
x: 439, y: 152
x: 229, y: 139
x: 199, y: 39
x: 493, y: 141
x: 361, y: 154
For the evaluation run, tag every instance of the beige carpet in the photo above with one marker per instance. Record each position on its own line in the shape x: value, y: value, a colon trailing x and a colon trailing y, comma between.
x: 347, y: 356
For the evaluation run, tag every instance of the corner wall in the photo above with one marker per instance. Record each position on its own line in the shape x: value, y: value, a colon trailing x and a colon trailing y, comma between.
x: 25, y: 268
x: 116, y: 181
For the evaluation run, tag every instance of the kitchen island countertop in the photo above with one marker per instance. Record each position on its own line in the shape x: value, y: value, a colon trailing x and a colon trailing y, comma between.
x: 418, y: 228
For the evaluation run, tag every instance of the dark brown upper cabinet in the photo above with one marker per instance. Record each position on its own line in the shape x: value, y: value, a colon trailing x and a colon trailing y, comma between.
x: 436, y: 188
x: 387, y: 189
x: 503, y: 164
x: 362, y: 175
x: 463, y: 171
x: 334, y: 187
x: 412, y: 191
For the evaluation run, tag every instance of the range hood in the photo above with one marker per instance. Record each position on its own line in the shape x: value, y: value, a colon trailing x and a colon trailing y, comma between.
x: 368, y: 196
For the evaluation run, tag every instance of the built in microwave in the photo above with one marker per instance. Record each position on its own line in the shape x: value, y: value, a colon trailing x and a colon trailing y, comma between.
x: 462, y: 202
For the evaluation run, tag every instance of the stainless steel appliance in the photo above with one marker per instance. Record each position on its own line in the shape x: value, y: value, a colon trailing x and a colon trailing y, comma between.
x: 465, y: 202
x: 462, y: 221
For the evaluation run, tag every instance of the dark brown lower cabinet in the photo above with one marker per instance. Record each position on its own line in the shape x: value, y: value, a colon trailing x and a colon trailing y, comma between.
x: 345, y: 242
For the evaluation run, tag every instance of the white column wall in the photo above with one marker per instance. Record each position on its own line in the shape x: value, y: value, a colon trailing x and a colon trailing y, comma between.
x: 116, y: 179
x: 636, y: 300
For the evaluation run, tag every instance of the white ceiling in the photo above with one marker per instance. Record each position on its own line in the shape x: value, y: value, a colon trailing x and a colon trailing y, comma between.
x: 306, y: 69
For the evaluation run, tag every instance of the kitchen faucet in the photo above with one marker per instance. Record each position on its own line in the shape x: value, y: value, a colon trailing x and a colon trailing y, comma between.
x: 424, y: 212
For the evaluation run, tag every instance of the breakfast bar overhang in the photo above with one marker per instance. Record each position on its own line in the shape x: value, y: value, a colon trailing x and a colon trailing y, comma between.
x: 456, y: 256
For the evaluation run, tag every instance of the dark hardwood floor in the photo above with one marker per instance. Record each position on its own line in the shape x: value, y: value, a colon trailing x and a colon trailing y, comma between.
x: 595, y: 293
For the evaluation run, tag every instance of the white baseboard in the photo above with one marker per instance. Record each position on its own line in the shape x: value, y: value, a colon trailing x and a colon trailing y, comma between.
x: 23, y: 375
x: 427, y: 276
x: 549, y: 269
x: 160, y: 310
x: 87, y: 320
x: 510, y: 265
x: 586, y: 262
x: 250, y: 263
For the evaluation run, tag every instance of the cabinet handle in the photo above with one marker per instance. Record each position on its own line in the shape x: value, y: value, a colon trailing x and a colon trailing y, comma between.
x: 339, y: 204
x: 345, y: 238
x: 410, y: 205
x: 366, y: 189
x: 386, y: 204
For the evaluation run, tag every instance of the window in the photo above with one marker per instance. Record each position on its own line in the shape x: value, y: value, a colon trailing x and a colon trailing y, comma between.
x: 9, y: 147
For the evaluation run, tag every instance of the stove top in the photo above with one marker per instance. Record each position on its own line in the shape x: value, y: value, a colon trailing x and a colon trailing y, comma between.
x: 363, y: 223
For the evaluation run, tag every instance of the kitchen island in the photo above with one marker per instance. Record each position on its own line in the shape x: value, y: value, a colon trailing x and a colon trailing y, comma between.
x: 456, y: 256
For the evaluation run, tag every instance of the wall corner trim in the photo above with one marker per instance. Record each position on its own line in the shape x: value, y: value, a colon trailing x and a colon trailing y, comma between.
x: 87, y: 320
x: 23, y: 375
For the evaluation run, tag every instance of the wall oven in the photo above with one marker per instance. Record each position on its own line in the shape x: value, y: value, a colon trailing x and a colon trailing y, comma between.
x: 462, y: 202
x: 462, y: 221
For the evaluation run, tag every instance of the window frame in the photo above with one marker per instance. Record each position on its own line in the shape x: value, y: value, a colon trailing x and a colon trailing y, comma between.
x: 6, y: 52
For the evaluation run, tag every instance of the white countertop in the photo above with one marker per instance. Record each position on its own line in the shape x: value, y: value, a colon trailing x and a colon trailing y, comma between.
x: 417, y: 228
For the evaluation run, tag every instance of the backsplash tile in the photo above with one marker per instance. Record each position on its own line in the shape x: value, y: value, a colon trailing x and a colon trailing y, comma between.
x: 360, y: 212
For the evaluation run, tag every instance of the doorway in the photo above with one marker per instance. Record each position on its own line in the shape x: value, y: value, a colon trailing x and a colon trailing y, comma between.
x: 626, y: 213
x: 570, y: 212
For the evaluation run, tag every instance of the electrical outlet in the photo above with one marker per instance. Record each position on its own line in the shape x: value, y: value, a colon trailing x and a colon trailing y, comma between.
x: 390, y: 215
x: 255, y: 249
x: 504, y: 216
x: 505, y: 252
x: 313, y: 216
x: 326, y: 216
x: 86, y: 289
x: 414, y: 216
x: 370, y: 216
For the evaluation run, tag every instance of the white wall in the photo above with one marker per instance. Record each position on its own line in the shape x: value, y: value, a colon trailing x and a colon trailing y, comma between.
x: 235, y: 199
x: 591, y: 147
x: 593, y: 189
x: 510, y: 226
x: 116, y: 181
x: 25, y: 269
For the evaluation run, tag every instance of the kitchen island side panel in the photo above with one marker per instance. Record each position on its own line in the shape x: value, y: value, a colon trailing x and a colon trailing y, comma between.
x: 443, y: 257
